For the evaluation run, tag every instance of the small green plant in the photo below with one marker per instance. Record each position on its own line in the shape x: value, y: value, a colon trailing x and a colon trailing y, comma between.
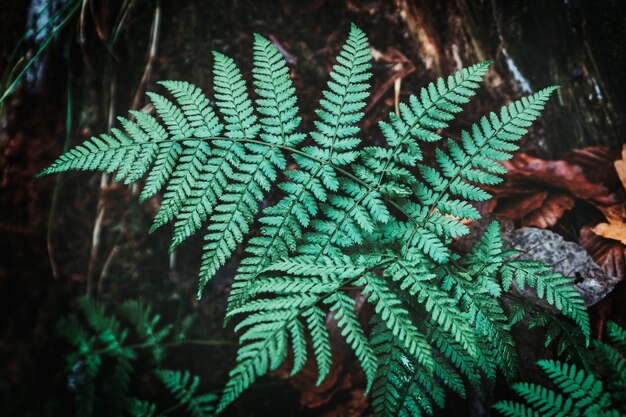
x: 599, y: 392
x: 119, y: 341
x: 378, y: 218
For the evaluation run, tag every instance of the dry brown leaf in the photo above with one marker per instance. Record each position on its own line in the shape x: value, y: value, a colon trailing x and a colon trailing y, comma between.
x: 620, y: 167
x: 597, y: 163
x: 550, y: 211
x: 615, y: 227
x: 519, y: 205
x: 614, y: 231
x: 613, y: 213
x: 609, y: 254
x: 557, y: 174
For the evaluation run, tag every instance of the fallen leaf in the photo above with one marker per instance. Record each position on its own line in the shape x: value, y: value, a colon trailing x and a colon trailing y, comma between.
x: 620, y: 167
x: 609, y: 254
x: 557, y: 175
x: 550, y: 211
x: 614, y: 231
x: 518, y: 205
x: 613, y: 213
x: 537, y: 192
x: 597, y: 163
x: 615, y: 227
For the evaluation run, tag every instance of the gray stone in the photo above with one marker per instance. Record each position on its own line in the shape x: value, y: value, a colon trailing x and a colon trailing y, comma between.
x: 568, y: 258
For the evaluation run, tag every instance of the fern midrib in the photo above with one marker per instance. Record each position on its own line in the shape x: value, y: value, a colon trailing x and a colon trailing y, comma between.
x: 343, y: 103
x: 286, y: 148
x: 280, y: 114
x: 332, y: 150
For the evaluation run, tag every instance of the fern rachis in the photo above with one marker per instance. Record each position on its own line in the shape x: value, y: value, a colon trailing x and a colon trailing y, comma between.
x: 375, y: 217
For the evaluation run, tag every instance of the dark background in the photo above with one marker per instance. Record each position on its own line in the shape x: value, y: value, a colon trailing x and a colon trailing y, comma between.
x: 64, y: 236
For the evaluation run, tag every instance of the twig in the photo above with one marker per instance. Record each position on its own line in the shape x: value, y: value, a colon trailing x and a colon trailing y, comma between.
x: 106, y: 267
x: 154, y: 40
x: 104, y: 181
x: 57, y: 185
x: 380, y: 92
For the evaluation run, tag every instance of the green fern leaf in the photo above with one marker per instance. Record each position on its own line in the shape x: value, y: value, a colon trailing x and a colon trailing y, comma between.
x: 184, y: 387
x: 343, y: 307
x: 335, y: 139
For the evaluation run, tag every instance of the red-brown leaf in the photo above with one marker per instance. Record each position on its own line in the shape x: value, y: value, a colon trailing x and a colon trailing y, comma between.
x: 558, y: 174
x: 550, y: 211
x: 596, y: 162
x: 609, y: 254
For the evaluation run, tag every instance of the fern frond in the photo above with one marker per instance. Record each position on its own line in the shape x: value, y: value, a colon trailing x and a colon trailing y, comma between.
x: 389, y: 307
x: 465, y: 166
x: 343, y: 307
x: 598, y: 391
x: 363, y: 207
x: 452, y: 350
x: 487, y: 318
x: 617, y: 336
x: 435, y: 107
x: 138, y: 408
x: 316, y: 322
x: 184, y: 386
x: 556, y: 289
x: 582, y: 387
x: 339, y: 267
x: 376, y: 220
x: 214, y: 171
x: 145, y: 323
x: 402, y: 387
x: 513, y: 409
x: 309, y: 184
x: 613, y: 365
x: 277, y: 102
x: 545, y: 400
x: 107, y: 328
x: 265, y: 339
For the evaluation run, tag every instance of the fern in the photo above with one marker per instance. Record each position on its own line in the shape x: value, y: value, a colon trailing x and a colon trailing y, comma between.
x: 598, y: 392
x: 184, y: 387
x: 378, y: 219
x: 335, y: 141
x: 118, y: 340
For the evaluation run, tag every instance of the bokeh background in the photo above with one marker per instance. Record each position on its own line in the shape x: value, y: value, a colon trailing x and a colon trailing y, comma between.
x: 69, y: 67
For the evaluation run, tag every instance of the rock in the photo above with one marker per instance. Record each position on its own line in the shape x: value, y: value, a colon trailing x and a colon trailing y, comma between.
x: 568, y: 258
